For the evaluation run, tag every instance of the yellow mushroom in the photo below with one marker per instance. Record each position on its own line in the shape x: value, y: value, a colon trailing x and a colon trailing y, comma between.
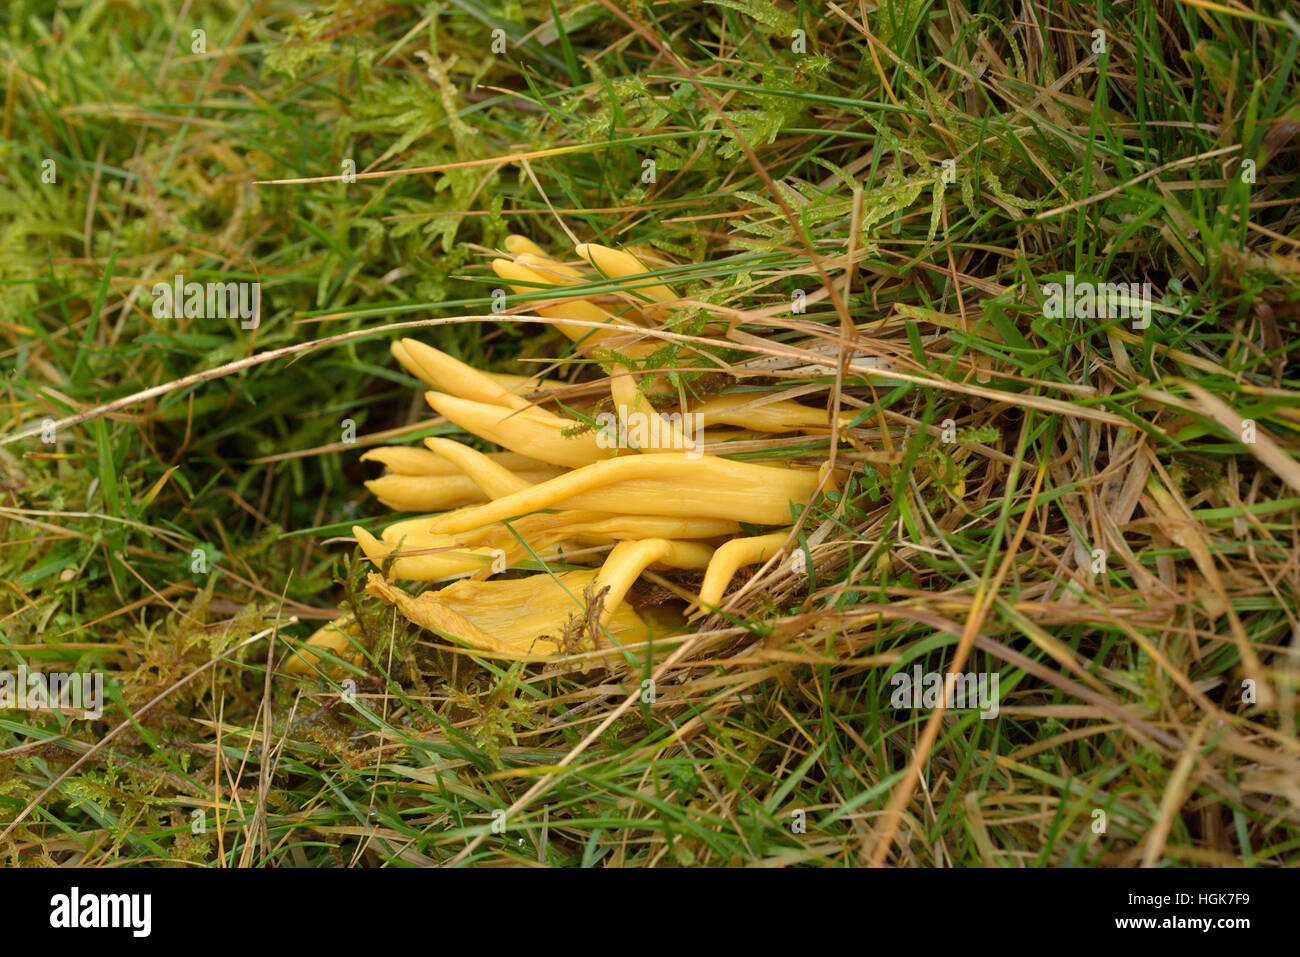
x: 435, y: 493
x: 538, y: 615
x: 527, y: 273
x: 759, y: 413
x: 410, y: 550
x: 425, y: 557
x: 729, y: 558
x: 409, y: 460
x: 562, y: 491
x: 519, y: 384
x: 531, y: 615
x: 629, y: 559
x: 530, y: 271
x: 495, y: 480
x: 530, y: 528
x: 529, y: 432
x: 594, y: 528
x: 617, y: 264
x: 660, y: 483
x: 630, y: 402
x: 420, y: 480
x: 517, y: 245
x: 339, y: 637
x: 442, y: 372
x: 425, y: 493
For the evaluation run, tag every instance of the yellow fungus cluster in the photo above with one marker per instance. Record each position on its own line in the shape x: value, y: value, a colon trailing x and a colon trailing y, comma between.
x: 562, y: 492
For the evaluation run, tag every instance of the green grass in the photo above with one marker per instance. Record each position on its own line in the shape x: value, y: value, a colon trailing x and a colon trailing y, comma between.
x: 775, y: 171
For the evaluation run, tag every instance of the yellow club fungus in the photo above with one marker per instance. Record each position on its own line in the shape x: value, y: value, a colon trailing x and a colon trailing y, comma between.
x: 560, y: 492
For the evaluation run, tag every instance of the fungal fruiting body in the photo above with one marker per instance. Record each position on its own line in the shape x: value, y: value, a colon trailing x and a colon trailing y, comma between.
x: 585, y: 515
